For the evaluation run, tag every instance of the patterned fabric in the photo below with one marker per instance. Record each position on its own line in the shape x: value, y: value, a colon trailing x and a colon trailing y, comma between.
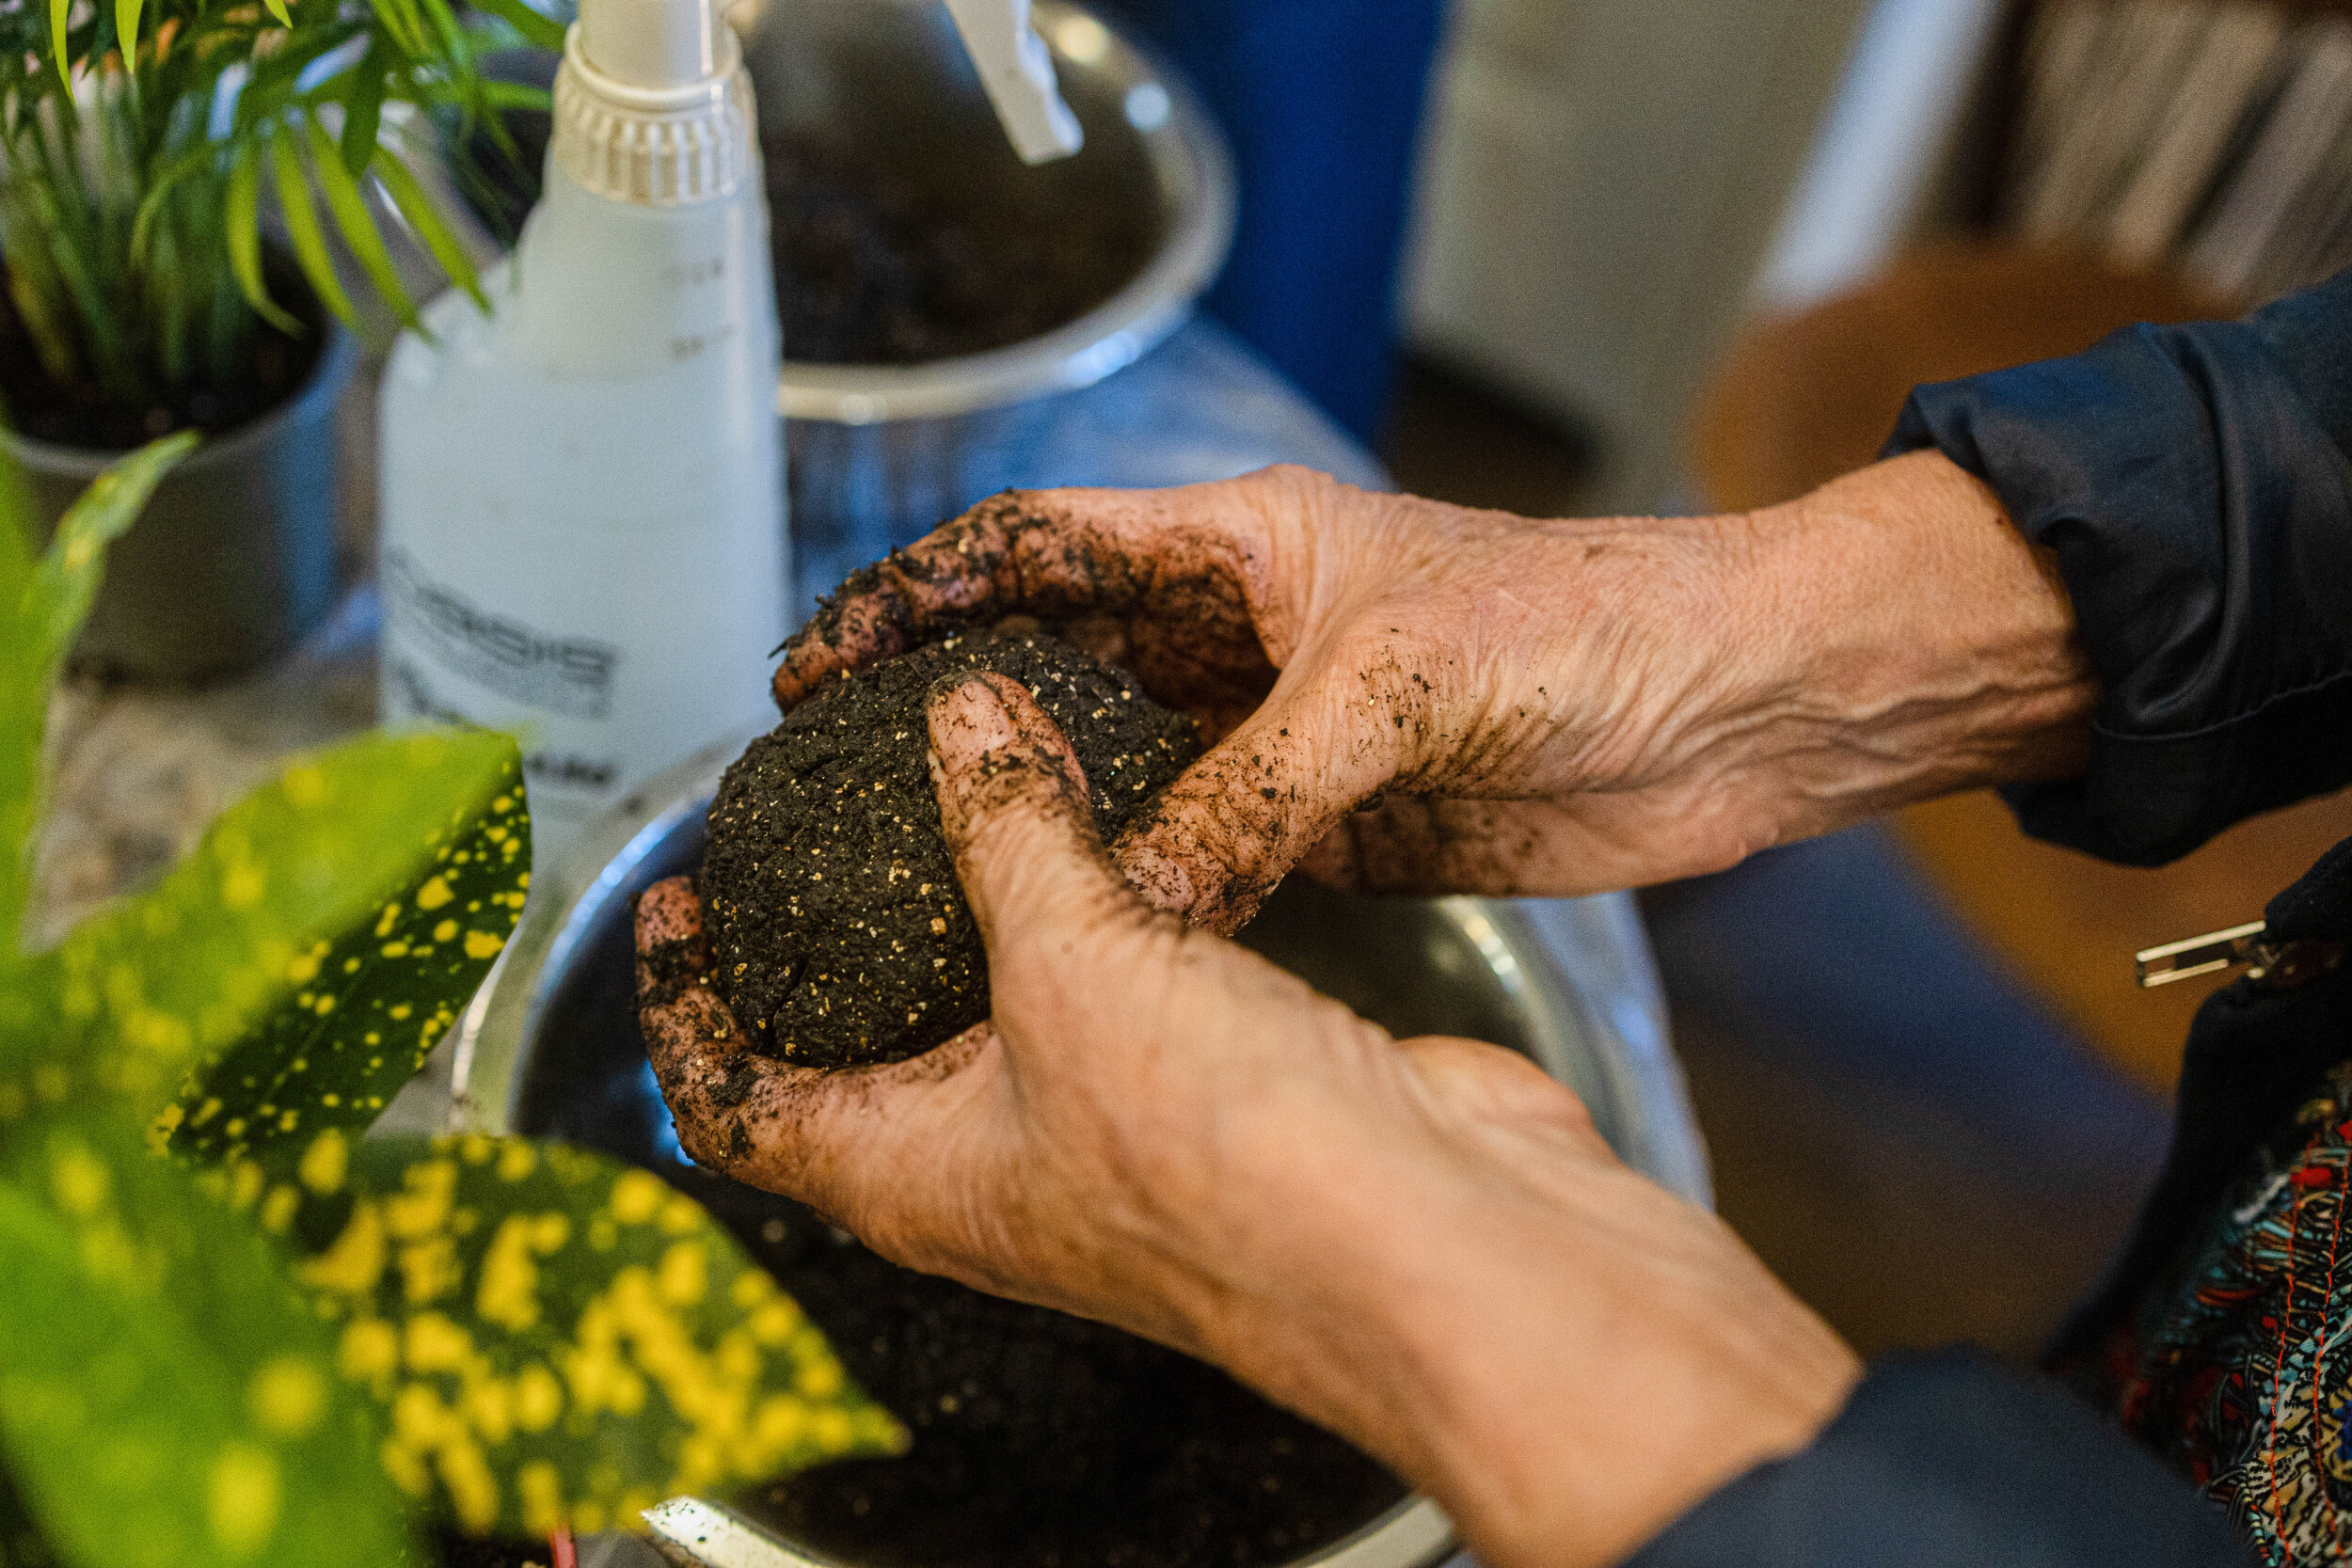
x: 2237, y: 1368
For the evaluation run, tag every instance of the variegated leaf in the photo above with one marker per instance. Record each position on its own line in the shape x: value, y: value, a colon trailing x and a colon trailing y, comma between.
x: 370, y: 1000
x: 557, y: 1338
x: 165, y: 1396
x: 161, y: 985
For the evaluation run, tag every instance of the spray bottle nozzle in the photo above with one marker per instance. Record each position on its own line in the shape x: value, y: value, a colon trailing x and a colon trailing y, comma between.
x: 651, y: 44
x: 660, y: 45
x: 1017, y: 69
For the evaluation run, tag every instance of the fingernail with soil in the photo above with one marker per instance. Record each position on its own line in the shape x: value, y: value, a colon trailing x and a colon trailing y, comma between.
x: 1161, y: 878
x: 968, y: 719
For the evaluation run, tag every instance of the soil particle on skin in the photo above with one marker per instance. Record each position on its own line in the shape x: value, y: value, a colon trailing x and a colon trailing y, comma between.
x: 840, y: 933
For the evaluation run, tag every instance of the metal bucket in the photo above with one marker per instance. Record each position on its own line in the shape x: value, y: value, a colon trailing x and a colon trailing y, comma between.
x: 879, y: 453
x: 550, y: 1047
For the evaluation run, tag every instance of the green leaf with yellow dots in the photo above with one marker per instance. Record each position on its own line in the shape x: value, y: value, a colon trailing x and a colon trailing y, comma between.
x: 557, y: 1338
x: 368, y: 1002
x: 166, y: 1395
x: 163, y: 984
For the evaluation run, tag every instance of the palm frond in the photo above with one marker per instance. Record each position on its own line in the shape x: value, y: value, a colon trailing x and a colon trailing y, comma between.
x: 149, y: 148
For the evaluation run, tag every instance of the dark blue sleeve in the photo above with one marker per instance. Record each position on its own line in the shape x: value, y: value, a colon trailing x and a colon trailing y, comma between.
x: 2196, y: 483
x: 1952, y: 1462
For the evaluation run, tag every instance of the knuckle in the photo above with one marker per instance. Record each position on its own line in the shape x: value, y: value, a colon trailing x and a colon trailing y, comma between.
x: 1085, y: 962
x: 1293, y: 490
x: 1024, y: 821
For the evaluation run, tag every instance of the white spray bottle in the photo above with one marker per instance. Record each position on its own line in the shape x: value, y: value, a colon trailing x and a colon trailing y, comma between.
x: 583, y: 493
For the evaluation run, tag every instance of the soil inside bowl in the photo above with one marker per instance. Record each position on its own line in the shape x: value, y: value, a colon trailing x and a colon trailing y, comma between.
x: 878, y: 264
x: 80, y: 415
x: 881, y: 264
x: 1039, y: 1440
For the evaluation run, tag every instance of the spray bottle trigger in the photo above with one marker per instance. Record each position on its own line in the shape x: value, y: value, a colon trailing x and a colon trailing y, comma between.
x: 1017, y: 69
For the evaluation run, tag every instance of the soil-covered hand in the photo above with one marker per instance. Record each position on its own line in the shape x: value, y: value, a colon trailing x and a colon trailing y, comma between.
x: 1424, y: 1244
x: 1415, y: 697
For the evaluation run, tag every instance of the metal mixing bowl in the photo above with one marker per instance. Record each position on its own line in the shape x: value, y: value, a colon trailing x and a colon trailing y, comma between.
x: 550, y: 1047
x: 879, y: 453
x: 890, y: 79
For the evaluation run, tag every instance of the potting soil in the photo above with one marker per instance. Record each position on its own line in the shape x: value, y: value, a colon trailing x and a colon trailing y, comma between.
x: 840, y: 933
x: 1039, y: 1440
x: 875, y: 268
x: 80, y: 415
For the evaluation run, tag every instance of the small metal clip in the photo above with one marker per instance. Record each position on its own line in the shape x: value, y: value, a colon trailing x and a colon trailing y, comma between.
x: 2279, y: 966
x: 2184, y: 960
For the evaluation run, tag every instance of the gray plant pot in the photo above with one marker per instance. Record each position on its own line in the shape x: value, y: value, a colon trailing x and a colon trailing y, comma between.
x: 234, y: 559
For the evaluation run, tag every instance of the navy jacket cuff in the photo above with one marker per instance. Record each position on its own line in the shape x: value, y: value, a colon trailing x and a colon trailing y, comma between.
x: 1953, y: 1462
x: 2195, y: 482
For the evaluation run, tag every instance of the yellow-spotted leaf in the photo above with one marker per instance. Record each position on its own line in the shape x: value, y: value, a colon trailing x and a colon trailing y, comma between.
x: 367, y: 1002
x: 556, y: 1337
x: 161, y: 985
x: 165, y: 1396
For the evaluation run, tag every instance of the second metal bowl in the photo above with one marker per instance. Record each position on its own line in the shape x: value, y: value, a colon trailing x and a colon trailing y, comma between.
x: 889, y: 78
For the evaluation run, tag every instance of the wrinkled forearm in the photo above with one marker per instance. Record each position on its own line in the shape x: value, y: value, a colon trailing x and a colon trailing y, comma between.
x: 1898, y: 639
x: 1562, y: 1354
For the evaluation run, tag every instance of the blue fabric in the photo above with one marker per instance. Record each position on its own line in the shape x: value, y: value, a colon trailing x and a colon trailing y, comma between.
x: 1322, y: 100
x: 2196, y: 483
x: 1952, y: 1462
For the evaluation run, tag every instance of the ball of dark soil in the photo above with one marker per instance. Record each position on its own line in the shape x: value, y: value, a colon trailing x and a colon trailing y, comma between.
x: 840, y: 932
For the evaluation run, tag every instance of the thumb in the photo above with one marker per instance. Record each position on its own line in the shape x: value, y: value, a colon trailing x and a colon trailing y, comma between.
x: 1220, y: 838
x: 1014, y: 805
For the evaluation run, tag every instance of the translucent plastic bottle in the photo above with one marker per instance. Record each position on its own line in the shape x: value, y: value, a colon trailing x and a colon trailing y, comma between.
x: 582, y: 494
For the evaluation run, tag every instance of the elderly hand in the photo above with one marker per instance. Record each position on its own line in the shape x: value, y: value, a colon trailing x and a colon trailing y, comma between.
x: 1422, y: 1244
x: 1471, y: 702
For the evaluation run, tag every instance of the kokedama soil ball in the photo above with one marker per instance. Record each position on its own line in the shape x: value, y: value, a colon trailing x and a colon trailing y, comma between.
x: 841, y: 934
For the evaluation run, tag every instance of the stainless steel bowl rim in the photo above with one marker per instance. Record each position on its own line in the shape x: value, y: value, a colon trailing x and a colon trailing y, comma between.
x: 1413, y: 1534
x: 1196, y: 180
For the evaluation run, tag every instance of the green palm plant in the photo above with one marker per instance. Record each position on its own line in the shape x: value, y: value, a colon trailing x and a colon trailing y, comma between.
x: 138, y: 139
